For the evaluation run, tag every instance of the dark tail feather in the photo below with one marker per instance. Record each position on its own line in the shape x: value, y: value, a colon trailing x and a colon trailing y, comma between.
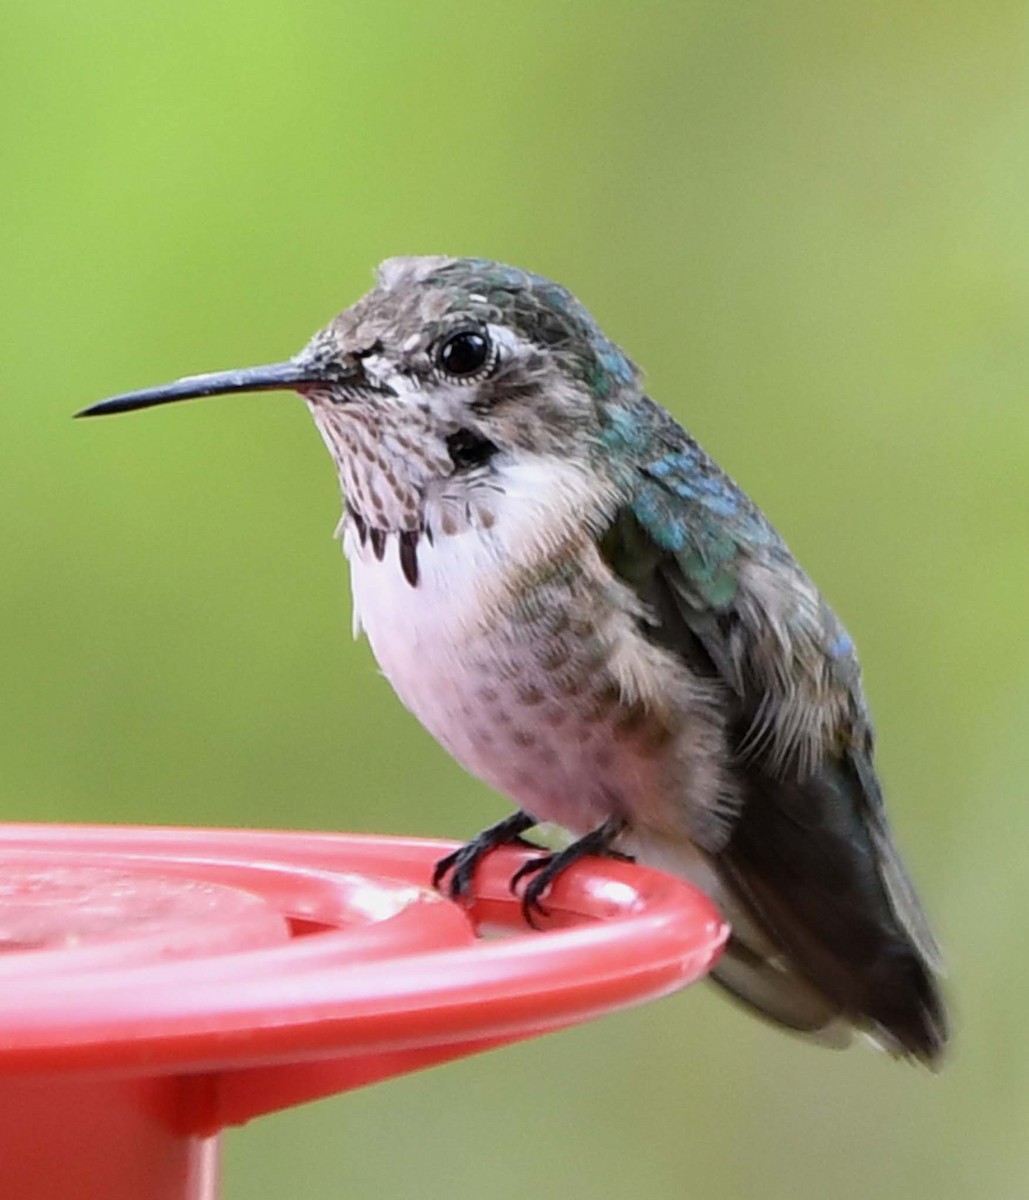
x: 829, y: 930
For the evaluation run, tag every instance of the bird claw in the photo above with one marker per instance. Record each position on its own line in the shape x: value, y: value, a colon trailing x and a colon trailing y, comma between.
x: 462, y: 863
x: 460, y: 866
x: 545, y: 868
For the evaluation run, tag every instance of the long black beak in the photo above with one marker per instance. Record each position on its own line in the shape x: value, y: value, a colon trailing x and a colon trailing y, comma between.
x: 271, y: 378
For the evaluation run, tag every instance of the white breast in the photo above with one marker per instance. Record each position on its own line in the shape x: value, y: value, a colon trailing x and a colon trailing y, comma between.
x: 440, y: 643
x: 424, y: 638
x: 437, y: 627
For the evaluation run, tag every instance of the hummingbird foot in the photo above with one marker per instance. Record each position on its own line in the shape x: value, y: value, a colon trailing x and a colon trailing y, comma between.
x: 542, y: 871
x: 462, y: 863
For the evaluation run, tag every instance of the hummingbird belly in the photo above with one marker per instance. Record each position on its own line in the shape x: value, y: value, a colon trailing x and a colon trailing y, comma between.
x: 536, y: 679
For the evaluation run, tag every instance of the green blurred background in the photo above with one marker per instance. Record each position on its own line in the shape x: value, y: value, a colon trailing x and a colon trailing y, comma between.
x: 808, y: 221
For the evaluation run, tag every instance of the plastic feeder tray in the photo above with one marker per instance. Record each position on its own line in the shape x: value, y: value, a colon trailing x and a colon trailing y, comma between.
x: 158, y: 985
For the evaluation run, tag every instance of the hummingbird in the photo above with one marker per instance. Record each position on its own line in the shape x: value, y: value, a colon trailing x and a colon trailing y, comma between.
x: 585, y: 610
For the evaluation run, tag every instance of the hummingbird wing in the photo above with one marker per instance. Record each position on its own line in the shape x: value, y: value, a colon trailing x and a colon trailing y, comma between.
x: 827, y: 924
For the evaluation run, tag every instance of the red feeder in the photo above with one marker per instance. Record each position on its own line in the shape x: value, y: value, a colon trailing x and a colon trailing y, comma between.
x: 161, y: 984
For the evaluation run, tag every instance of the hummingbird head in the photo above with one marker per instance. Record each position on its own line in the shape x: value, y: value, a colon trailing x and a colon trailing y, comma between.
x: 445, y: 368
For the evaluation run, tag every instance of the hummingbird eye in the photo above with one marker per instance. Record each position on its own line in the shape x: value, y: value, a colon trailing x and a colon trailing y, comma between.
x: 465, y: 355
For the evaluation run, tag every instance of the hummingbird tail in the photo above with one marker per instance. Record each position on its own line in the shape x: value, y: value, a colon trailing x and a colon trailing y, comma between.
x: 828, y: 937
x: 830, y: 931
x: 770, y: 988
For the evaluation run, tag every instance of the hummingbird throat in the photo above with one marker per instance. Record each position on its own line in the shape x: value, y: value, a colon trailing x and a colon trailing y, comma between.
x: 403, y: 481
x: 384, y: 461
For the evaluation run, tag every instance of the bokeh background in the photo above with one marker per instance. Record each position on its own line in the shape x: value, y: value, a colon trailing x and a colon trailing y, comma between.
x: 809, y: 222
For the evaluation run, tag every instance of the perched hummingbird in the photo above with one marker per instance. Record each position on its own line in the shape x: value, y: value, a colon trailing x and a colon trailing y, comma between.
x: 588, y: 613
